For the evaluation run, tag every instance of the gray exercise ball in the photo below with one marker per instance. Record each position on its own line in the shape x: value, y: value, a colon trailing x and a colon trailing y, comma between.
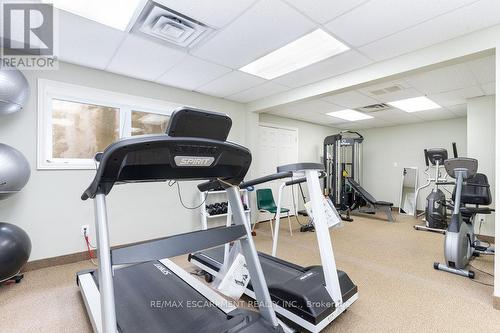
x: 15, y: 250
x: 14, y: 90
x: 14, y: 171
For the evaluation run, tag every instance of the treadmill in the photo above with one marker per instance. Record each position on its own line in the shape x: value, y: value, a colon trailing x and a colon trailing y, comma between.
x: 135, y: 288
x: 304, y: 297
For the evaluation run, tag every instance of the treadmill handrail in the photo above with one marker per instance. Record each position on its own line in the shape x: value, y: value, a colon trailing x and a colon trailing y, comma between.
x: 176, y: 245
x: 284, y: 171
x: 322, y: 174
x: 205, y: 186
x: 297, y: 167
x: 265, y: 179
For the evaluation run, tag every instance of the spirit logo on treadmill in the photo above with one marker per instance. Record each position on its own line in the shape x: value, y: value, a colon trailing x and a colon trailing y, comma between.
x: 162, y: 269
x: 193, y: 161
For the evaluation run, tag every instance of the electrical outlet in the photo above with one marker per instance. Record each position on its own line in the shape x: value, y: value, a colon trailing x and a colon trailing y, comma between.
x: 85, y: 229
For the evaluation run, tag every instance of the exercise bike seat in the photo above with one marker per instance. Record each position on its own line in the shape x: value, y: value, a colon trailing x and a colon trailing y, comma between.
x: 476, y: 191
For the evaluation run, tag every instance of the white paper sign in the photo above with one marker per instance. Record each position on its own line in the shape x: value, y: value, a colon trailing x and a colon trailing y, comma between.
x: 332, y: 216
x: 235, y: 281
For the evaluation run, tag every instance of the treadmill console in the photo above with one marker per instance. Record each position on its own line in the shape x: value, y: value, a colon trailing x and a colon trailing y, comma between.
x: 195, y: 123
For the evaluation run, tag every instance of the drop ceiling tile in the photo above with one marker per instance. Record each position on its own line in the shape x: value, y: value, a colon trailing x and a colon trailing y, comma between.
x: 393, y: 115
x: 374, y: 122
x: 483, y: 69
x: 339, y: 64
x: 437, y: 114
x: 213, y: 14
x: 335, y: 120
x: 143, y: 59
x: 379, y: 18
x: 315, y: 118
x: 323, y: 119
x: 309, y: 107
x: 459, y: 110
x: 252, y: 94
x: 324, y: 11
x: 230, y: 84
x: 489, y: 88
x: 398, y: 95
x: 350, y: 99
x: 443, y: 79
x: 458, y: 96
x: 369, y: 89
x: 478, y: 15
x: 265, y: 27
x: 85, y: 42
x: 354, y: 125
x: 192, y: 73
x: 334, y: 125
x: 407, y: 121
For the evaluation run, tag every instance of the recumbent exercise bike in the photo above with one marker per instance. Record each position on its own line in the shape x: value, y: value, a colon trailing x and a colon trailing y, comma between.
x: 461, y: 244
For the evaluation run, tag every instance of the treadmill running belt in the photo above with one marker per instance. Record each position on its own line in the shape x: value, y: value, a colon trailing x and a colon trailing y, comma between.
x: 150, y: 298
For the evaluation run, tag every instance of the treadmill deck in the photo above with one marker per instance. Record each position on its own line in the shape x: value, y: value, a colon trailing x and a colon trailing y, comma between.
x: 299, y: 290
x: 149, y: 297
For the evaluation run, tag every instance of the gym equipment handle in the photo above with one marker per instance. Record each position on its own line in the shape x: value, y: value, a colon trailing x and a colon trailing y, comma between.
x: 302, y: 180
x: 265, y: 179
x: 203, y: 187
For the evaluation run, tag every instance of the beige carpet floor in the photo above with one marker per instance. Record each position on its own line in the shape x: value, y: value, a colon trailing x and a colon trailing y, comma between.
x: 399, y: 291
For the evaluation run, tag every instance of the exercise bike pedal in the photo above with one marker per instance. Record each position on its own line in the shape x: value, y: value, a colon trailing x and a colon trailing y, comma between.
x: 480, y: 248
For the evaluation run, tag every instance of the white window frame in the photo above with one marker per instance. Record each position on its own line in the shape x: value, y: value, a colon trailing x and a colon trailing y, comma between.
x: 49, y: 90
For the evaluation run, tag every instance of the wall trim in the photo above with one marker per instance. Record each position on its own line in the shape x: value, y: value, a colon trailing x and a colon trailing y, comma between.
x: 486, y: 238
x: 72, y: 257
x: 56, y: 261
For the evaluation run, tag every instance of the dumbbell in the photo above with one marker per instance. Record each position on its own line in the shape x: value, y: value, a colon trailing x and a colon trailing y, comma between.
x: 211, y: 210
x: 224, y: 207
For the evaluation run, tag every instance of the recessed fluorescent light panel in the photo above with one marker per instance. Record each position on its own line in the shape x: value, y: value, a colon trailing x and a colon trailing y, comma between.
x: 113, y: 13
x: 307, y: 50
x: 415, y: 104
x: 350, y: 115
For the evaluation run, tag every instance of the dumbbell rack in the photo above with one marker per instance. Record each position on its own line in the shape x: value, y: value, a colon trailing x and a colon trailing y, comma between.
x: 220, y: 196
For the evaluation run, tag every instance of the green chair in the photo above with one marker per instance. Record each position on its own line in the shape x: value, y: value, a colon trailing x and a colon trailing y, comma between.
x: 265, y: 203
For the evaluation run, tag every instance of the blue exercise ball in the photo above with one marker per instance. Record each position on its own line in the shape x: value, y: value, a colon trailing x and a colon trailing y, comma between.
x: 15, y: 250
x: 14, y: 90
x: 14, y: 171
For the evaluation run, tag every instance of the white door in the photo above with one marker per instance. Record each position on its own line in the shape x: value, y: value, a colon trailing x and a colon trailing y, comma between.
x: 277, y: 146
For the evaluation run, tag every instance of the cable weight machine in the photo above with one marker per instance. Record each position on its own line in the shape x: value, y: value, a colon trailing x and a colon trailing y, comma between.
x: 342, y: 155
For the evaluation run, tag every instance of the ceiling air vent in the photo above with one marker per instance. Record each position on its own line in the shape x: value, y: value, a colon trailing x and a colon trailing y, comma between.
x: 167, y: 26
x: 374, y: 108
x: 386, y: 90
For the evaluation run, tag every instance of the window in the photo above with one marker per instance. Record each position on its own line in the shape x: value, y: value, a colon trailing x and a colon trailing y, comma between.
x: 76, y: 122
x: 81, y: 130
x: 148, y: 123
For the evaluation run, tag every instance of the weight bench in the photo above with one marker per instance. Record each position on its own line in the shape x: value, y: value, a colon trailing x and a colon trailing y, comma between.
x: 373, y: 204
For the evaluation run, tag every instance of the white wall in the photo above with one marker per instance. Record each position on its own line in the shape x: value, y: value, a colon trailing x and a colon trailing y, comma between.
x: 386, y: 151
x: 481, y: 145
x: 49, y: 207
